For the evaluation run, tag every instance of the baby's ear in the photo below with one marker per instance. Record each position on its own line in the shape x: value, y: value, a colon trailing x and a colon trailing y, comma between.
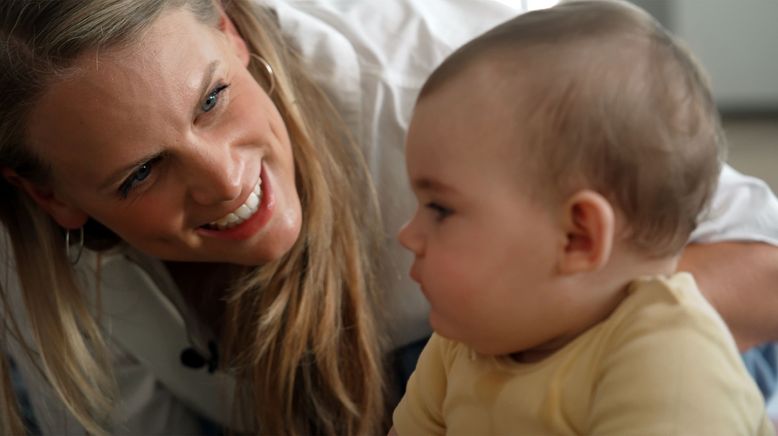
x: 589, y: 225
x: 66, y: 215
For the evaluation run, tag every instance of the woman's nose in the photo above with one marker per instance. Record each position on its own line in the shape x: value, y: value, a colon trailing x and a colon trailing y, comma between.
x: 215, y: 174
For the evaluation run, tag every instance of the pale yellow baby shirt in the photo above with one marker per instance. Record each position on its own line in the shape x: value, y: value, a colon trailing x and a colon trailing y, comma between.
x: 662, y: 364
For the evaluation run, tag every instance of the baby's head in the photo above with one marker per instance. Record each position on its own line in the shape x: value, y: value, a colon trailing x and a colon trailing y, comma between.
x: 596, y: 95
x: 568, y: 130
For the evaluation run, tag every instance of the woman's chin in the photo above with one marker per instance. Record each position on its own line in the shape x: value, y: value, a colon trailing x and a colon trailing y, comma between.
x: 273, y: 246
x: 268, y: 254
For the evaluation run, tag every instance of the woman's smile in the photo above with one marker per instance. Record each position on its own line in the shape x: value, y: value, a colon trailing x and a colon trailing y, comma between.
x: 248, y: 219
x: 242, y: 213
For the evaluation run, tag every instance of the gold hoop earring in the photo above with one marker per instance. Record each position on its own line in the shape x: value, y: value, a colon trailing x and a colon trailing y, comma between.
x: 270, y: 75
x: 73, y: 258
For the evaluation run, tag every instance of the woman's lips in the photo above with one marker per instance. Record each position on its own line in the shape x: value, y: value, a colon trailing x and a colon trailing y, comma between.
x: 243, y: 212
x: 246, y: 228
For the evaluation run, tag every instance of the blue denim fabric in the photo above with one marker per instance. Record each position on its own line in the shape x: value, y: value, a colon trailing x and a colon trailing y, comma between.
x: 762, y: 363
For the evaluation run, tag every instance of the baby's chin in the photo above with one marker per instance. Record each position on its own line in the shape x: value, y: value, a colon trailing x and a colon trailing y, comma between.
x: 456, y: 335
x: 481, y: 346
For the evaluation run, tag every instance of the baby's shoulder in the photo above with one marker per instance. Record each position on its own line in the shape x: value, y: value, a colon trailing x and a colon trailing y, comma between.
x: 668, y: 309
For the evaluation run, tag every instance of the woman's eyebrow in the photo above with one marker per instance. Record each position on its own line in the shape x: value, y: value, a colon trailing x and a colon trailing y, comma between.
x: 205, y: 83
x: 208, y: 77
x: 118, y: 174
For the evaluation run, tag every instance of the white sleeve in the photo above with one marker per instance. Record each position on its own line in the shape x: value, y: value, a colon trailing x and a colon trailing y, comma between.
x: 144, y: 406
x: 743, y: 209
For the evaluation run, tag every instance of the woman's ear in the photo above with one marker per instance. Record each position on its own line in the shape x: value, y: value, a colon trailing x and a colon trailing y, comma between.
x: 589, y: 225
x: 66, y: 215
x: 237, y: 42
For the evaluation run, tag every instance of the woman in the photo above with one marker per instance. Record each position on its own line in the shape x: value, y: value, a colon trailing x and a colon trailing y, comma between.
x: 144, y: 121
x: 218, y: 147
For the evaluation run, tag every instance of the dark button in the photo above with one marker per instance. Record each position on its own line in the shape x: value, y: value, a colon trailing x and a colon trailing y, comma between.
x: 192, y: 359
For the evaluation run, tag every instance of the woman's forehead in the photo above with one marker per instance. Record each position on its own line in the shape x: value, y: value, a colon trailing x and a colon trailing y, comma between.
x: 126, y: 95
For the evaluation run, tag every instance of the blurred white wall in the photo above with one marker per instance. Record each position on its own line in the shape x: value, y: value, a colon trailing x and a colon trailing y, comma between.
x: 737, y: 43
x: 735, y: 40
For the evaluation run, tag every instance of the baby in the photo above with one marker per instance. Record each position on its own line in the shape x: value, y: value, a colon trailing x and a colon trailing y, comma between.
x: 560, y: 162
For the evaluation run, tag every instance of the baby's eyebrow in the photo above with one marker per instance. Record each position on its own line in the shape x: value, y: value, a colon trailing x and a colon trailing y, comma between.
x: 428, y: 184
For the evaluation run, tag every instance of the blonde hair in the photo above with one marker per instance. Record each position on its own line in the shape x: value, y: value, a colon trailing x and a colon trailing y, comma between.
x: 291, y: 322
x: 604, y: 98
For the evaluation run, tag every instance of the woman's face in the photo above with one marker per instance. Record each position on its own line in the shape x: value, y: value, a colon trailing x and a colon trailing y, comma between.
x: 171, y: 144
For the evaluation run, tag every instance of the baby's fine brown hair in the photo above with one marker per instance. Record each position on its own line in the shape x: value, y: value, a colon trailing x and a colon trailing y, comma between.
x: 604, y: 99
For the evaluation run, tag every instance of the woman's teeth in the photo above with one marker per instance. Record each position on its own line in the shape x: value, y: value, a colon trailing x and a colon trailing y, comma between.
x: 243, y: 212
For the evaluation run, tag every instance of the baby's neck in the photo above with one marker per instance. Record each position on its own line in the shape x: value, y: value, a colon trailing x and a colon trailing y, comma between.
x: 607, y: 288
x: 627, y: 265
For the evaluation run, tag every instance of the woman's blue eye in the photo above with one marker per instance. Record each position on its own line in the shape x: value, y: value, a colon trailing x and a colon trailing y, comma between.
x: 212, y: 99
x: 138, y: 176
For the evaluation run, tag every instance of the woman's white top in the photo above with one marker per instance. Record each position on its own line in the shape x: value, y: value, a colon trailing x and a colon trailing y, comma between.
x: 371, y: 58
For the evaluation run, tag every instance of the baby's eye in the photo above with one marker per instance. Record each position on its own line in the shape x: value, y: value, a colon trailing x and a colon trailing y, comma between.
x: 441, y: 212
x: 212, y: 99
